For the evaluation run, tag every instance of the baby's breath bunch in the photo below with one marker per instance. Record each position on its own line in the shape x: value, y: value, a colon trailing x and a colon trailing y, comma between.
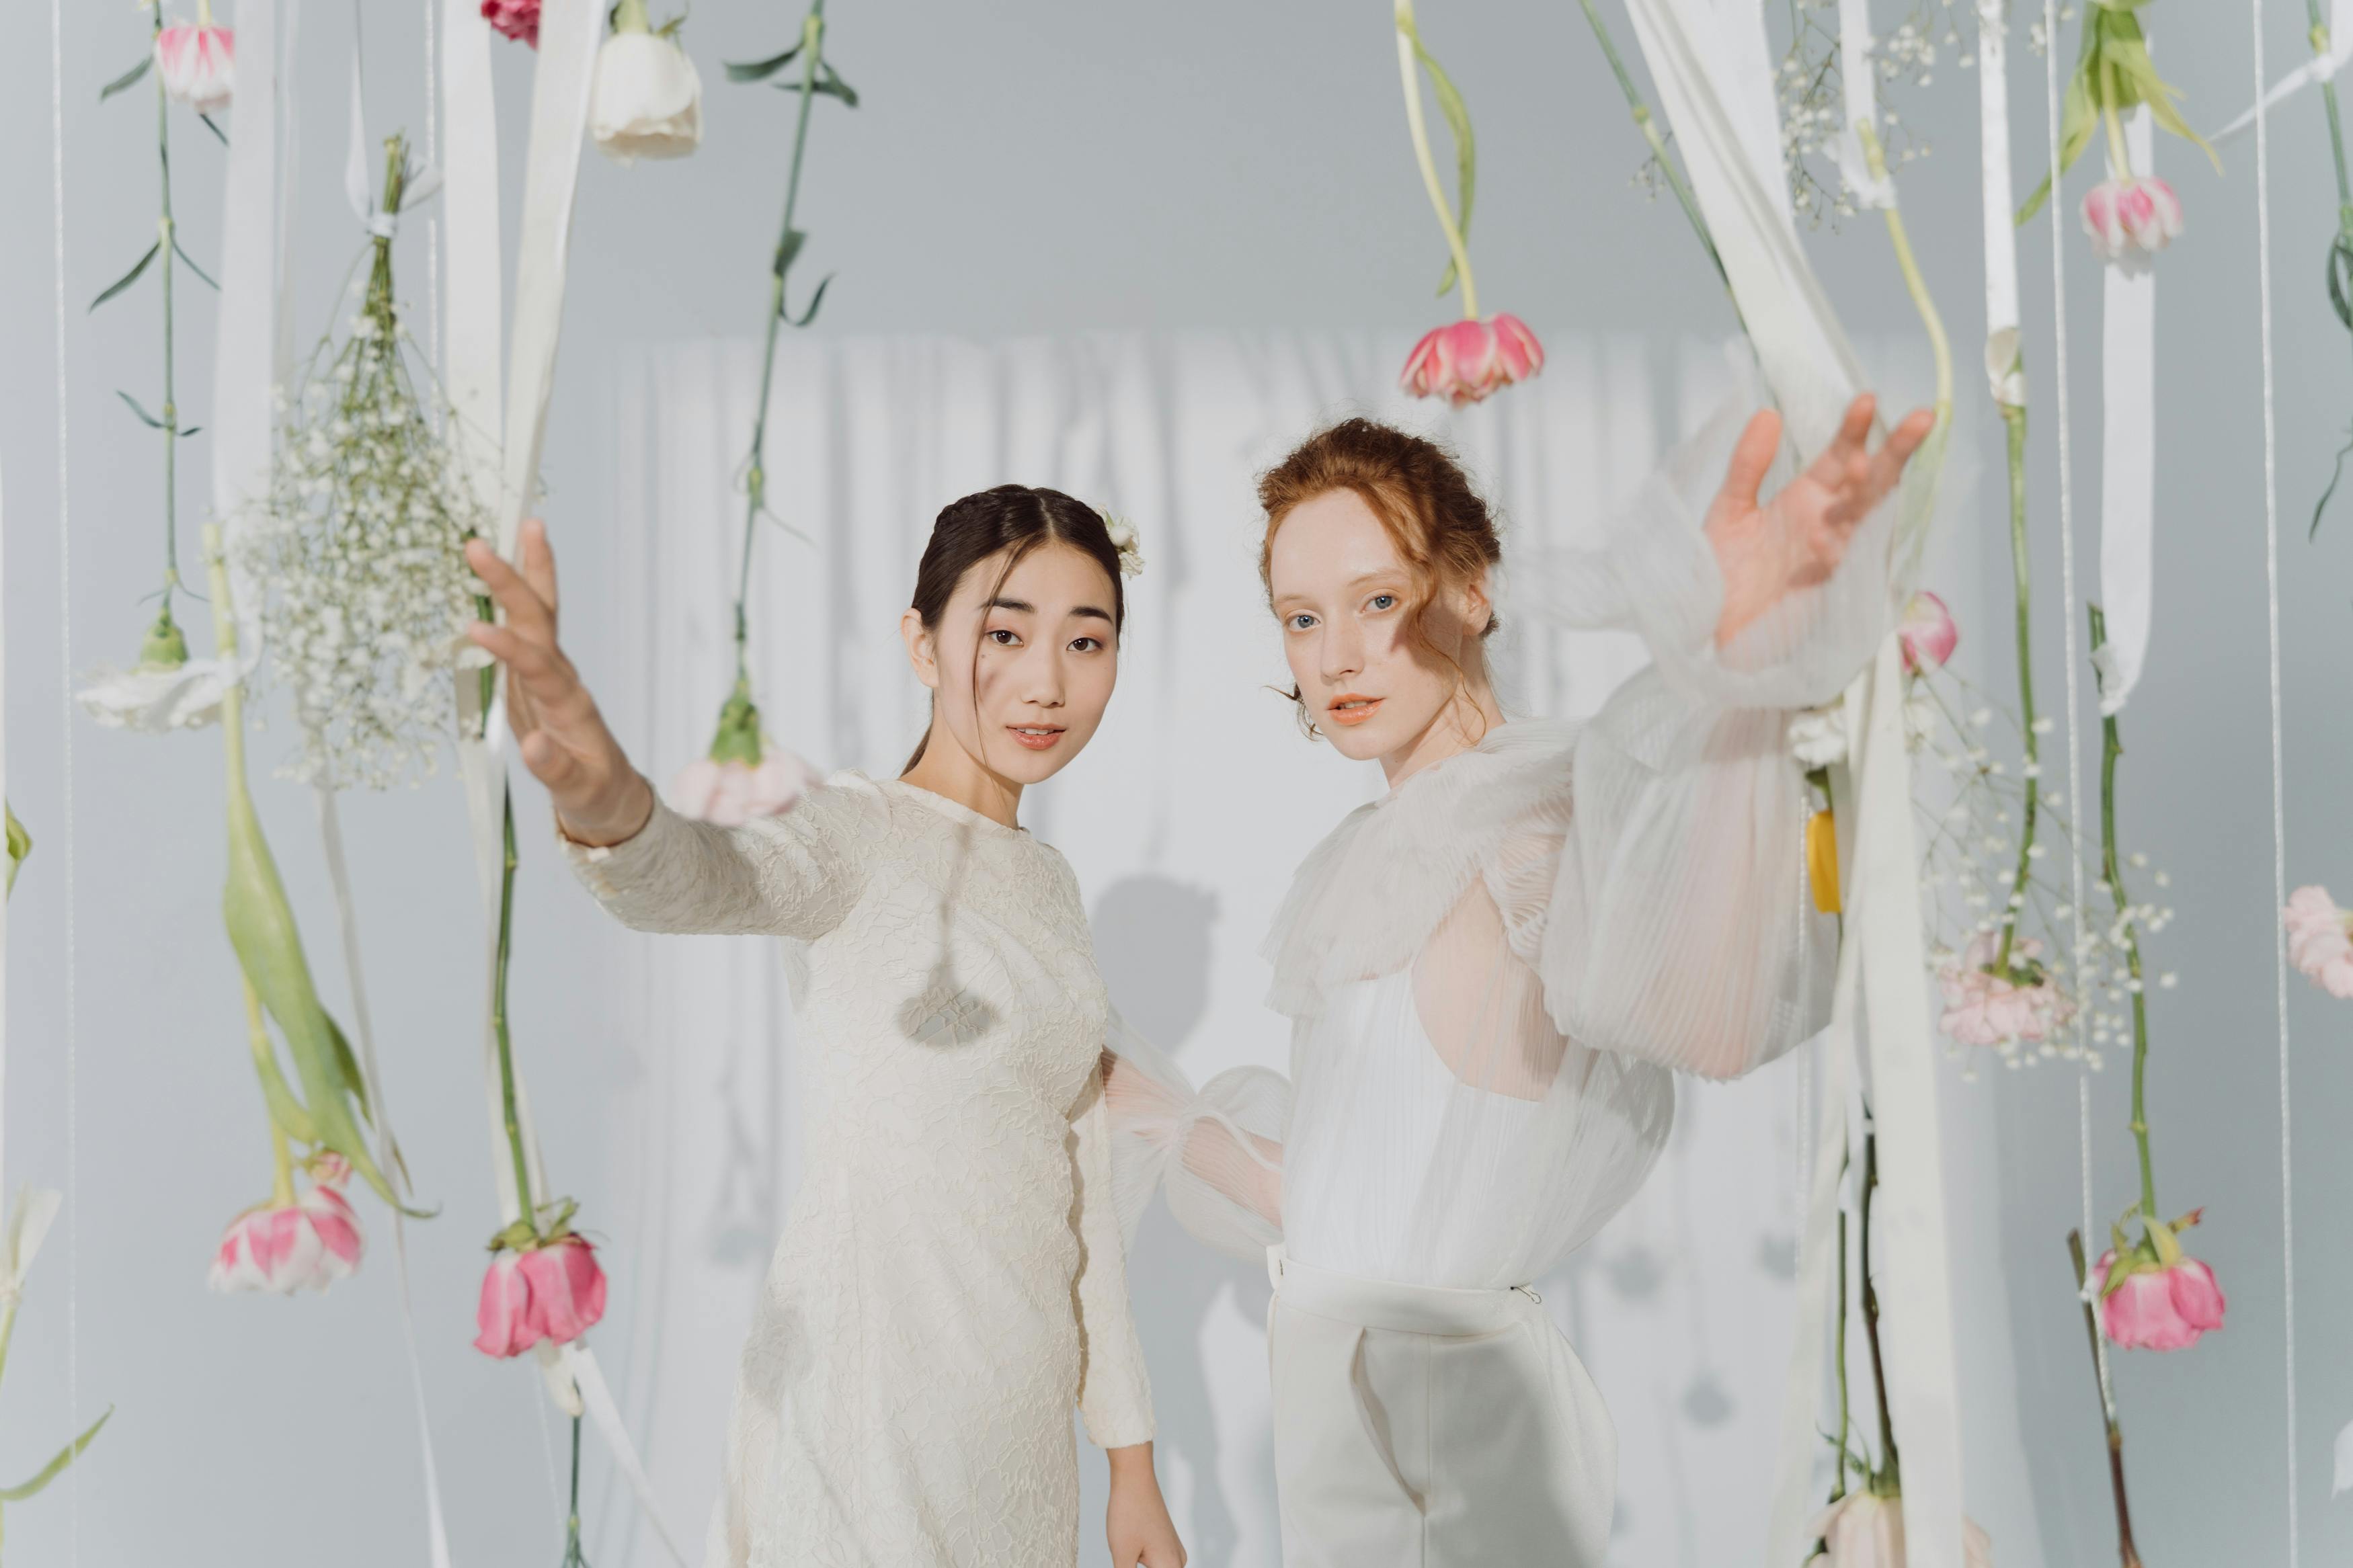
x: 360, y: 546
x: 1812, y: 97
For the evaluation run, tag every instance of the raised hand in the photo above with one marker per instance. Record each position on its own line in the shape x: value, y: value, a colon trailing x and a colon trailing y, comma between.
x: 1798, y: 538
x: 600, y: 798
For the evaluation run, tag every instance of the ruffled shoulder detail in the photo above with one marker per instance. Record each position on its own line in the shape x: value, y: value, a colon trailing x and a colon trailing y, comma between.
x: 1367, y: 898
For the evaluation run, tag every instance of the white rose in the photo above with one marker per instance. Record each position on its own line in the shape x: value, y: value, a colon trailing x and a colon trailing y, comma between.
x: 646, y: 100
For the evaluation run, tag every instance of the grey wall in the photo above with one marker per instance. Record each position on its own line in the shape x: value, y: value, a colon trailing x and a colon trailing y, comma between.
x: 1038, y: 166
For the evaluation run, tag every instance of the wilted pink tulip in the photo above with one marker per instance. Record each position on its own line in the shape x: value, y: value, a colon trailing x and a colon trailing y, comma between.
x: 2160, y: 1307
x: 730, y: 793
x: 1862, y: 1529
x: 1928, y: 634
x: 516, y: 19
x: 1983, y: 1009
x: 198, y: 65
x: 553, y: 1292
x: 1465, y: 361
x: 312, y: 1241
x: 2318, y: 939
x: 2131, y: 220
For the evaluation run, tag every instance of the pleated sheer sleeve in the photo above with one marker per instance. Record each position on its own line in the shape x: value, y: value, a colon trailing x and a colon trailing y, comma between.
x: 796, y: 875
x: 1674, y: 924
x: 1114, y: 1391
x: 1217, y: 1152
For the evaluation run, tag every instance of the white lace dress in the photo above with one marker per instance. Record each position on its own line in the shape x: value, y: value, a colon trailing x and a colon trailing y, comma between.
x: 952, y: 1280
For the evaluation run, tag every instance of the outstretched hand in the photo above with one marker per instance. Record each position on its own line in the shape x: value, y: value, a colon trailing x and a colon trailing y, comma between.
x: 600, y: 797
x: 1797, y: 538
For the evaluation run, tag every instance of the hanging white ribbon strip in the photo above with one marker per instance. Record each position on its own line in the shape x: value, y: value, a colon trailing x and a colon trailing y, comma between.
x: 569, y: 32
x: 2323, y: 66
x: 2008, y: 380
x: 469, y: 224
x: 1860, y: 88
x: 245, y: 360
x: 2128, y: 450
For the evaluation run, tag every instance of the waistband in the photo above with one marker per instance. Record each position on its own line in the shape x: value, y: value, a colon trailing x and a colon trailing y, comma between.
x: 1387, y: 1304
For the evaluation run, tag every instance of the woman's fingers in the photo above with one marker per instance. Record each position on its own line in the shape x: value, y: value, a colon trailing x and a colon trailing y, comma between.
x: 538, y: 559
x: 526, y: 611
x: 1752, y: 457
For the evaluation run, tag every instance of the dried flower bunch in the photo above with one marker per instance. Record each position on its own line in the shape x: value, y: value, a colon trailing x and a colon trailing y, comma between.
x: 1813, y: 98
x: 360, y: 544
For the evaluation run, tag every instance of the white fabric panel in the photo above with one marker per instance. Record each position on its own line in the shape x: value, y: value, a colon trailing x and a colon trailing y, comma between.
x: 2129, y: 449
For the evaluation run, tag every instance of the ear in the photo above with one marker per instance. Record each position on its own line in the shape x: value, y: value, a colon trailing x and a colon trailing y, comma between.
x: 922, y: 654
x: 1477, y: 605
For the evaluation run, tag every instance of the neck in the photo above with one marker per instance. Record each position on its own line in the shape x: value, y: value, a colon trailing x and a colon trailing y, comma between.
x: 948, y: 770
x: 1460, y: 725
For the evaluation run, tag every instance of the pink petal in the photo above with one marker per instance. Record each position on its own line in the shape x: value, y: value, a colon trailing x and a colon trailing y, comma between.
x: 2197, y: 1295
x: 568, y: 1287
x: 1418, y: 377
x: 504, y: 1314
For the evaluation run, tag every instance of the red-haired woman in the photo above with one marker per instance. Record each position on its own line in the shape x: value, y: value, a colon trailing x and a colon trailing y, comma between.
x: 1494, y: 969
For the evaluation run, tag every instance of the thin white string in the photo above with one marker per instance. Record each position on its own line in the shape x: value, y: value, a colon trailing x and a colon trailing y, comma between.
x: 66, y: 795
x: 2067, y: 596
x: 433, y: 220
x: 2279, y: 809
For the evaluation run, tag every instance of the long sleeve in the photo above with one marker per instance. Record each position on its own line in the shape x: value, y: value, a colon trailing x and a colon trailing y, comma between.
x: 1675, y: 926
x: 1115, y: 1392
x: 1217, y: 1152
x: 796, y: 875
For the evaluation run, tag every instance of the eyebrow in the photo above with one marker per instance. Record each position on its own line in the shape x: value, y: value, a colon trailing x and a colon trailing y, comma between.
x: 1358, y: 581
x: 1024, y: 607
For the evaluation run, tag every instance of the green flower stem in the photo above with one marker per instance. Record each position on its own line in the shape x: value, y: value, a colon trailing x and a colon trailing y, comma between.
x: 1649, y: 124
x: 1914, y: 280
x: 281, y: 1185
x: 2128, y: 1555
x: 2014, y: 417
x: 2320, y: 43
x: 1846, y: 1423
x: 1888, y: 1480
x: 165, y: 231
x: 757, y: 475
x: 2115, y: 122
x: 573, y: 1557
x: 507, y: 1106
x: 2110, y: 750
x: 630, y: 17
x: 1406, y: 39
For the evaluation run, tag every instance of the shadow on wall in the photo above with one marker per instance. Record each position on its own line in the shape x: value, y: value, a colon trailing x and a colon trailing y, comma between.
x: 1153, y: 944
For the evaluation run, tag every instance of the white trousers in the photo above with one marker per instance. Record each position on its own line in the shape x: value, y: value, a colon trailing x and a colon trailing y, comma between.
x: 1421, y: 1427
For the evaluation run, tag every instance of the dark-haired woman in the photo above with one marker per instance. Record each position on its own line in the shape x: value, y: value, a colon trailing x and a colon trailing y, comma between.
x: 952, y: 1279
x: 1494, y: 971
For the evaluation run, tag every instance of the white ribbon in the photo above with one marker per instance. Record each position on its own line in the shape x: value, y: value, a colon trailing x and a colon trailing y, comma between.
x: 2000, y: 231
x: 1860, y: 88
x: 2319, y: 67
x: 2128, y: 450
x: 469, y: 224
x: 569, y: 32
x: 1710, y: 63
x: 245, y: 360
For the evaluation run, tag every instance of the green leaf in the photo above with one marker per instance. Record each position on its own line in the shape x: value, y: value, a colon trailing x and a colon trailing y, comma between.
x: 127, y: 79
x: 2077, y: 121
x: 203, y: 275
x: 56, y: 1466
x: 215, y: 129
x: 806, y: 317
x: 1466, y: 150
x: 20, y: 844
x: 190, y: 431
x: 144, y: 417
x: 832, y: 86
x: 786, y: 249
x: 128, y: 278
x: 270, y: 948
x: 761, y: 70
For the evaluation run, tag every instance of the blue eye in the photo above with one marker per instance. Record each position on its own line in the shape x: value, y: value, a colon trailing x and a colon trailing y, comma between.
x: 1301, y: 622
x: 1382, y: 602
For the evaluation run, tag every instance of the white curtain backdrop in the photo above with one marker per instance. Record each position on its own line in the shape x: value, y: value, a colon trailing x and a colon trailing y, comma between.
x: 1183, y: 820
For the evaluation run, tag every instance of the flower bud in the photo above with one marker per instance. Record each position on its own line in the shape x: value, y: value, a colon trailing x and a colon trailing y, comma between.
x: 1465, y: 361
x: 647, y: 101
x: 312, y: 1241
x: 197, y: 65
x: 2130, y: 220
x: 1928, y: 633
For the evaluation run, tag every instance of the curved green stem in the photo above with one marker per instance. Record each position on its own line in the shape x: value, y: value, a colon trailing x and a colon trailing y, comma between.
x: 756, y: 474
x: 507, y: 1104
x: 1649, y: 124
x: 1889, y: 1479
x: 2014, y: 417
x: 1914, y: 280
x: 2111, y: 749
x: 1409, y: 45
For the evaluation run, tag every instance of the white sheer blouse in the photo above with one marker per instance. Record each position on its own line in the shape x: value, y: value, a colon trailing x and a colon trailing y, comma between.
x: 1494, y: 971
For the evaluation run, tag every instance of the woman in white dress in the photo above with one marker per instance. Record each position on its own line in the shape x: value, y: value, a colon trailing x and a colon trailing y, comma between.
x: 952, y: 1280
x: 1494, y: 970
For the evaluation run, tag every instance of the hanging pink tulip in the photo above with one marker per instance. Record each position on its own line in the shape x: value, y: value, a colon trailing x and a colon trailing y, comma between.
x: 2160, y: 1307
x: 553, y: 1292
x: 1465, y: 361
x: 2320, y: 941
x: 2130, y: 220
x: 730, y: 793
x: 198, y: 63
x: 2023, y: 1007
x: 1928, y: 634
x: 312, y: 1241
x: 516, y: 19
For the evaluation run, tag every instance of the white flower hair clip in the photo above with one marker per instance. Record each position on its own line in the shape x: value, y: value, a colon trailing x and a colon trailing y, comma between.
x: 1124, y: 539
